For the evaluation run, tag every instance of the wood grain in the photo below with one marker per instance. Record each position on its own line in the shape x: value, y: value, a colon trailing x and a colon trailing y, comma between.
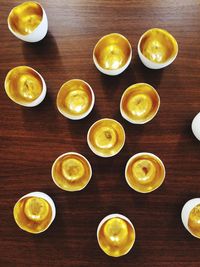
x: 31, y: 139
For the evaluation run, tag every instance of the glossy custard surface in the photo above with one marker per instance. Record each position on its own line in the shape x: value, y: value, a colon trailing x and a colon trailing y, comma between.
x: 25, y: 18
x: 194, y: 221
x: 23, y: 85
x: 33, y: 214
x: 112, y: 51
x: 71, y: 172
x: 158, y: 45
x: 106, y: 137
x: 74, y: 98
x: 145, y: 173
x: 140, y: 103
x: 116, y: 237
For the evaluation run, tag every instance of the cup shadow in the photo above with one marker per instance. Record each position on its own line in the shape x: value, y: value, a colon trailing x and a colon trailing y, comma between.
x: 45, y: 51
x: 144, y: 74
x: 79, y: 128
x: 40, y: 115
x: 119, y: 82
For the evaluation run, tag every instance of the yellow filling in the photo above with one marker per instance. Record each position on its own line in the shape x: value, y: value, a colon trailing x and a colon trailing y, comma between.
x: 158, y: 45
x: 194, y: 221
x: 23, y: 85
x: 106, y: 137
x: 112, y: 51
x: 116, y: 237
x: 25, y: 18
x: 74, y: 98
x: 145, y: 173
x: 140, y: 103
x: 116, y: 232
x: 33, y: 214
x: 72, y: 169
x: 77, y: 102
x: 36, y: 209
x: 71, y: 172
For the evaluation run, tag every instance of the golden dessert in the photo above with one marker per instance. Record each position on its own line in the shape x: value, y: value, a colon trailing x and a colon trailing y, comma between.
x: 158, y: 45
x: 194, y: 221
x: 139, y: 103
x: 23, y: 85
x: 116, y: 236
x: 106, y: 137
x: 75, y: 99
x: 25, y: 18
x: 33, y: 214
x: 144, y: 172
x: 112, y: 51
x: 71, y: 171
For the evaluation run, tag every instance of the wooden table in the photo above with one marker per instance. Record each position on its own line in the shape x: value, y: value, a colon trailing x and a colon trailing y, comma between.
x: 32, y: 138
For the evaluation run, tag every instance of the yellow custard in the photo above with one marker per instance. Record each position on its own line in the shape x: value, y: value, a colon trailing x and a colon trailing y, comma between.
x: 145, y: 173
x: 112, y: 51
x: 158, y: 45
x: 23, y: 85
x: 139, y: 103
x: 116, y: 236
x: 25, y: 18
x: 32, y: 214
x: 106, y: 137
x: 194, y: 221
x: 74, y: 98
x: 71, y: 172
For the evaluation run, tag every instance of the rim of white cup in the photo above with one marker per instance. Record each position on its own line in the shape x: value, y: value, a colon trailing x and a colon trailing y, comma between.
x: 194, y: 129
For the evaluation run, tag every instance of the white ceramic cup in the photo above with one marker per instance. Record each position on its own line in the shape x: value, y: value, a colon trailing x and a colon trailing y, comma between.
x: 145, y: 154
x: 124, y: 114
x: 101, y: 154
x: 154, y: 65
x: 38, y: 33
x: 65, y: 154
x: 83, y: 115
x: 185, y: 213
x: 48, y: 199
x: 196, y: 126
x: 35, y: 102
x: 115, y: 215
x: 117, y: 71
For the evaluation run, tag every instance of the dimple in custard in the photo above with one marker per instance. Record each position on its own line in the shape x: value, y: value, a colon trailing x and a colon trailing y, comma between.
x: 194, y: 221
x: 139, y: 103
x: 71, y: 172
x: 25, y: 18
x: 23, y: 85
x: 106, y: 137
x: 145, y: 173
x: 158, y: 45
x: 112, y: 51
x: 32, y: 214
x: 74, y: 98
x: 116, y: 236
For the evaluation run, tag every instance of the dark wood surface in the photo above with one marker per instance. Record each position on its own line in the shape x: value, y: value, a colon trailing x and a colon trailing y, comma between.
x: 32, y: 138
